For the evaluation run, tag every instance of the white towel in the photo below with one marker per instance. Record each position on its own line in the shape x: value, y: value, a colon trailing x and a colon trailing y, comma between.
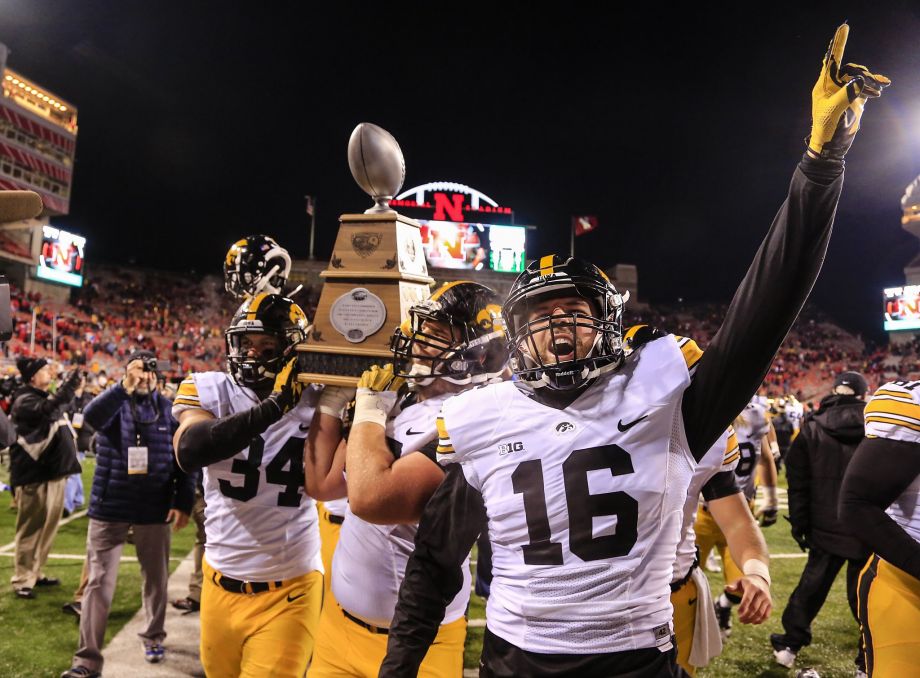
x: 707, y: 641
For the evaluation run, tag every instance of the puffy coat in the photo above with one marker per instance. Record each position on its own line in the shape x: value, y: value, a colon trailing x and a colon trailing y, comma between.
x: 122, y: 421
x: 815, y: 465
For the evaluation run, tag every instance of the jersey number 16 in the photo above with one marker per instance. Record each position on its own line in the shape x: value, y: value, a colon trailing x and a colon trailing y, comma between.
x: 583, y: 507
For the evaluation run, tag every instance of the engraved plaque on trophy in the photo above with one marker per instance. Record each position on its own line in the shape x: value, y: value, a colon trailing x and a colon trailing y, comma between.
x: 376, y: 272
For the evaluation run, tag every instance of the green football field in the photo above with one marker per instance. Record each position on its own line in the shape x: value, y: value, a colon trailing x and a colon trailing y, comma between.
x: 38, y: 640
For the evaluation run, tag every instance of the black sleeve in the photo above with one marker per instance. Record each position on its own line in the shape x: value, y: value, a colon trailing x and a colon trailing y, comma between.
x: 798, y: 473
x: 452, y: 520
x: 765, y: 306
x: 722, y: 484
x: 212, y: 440
x: 879, y: 472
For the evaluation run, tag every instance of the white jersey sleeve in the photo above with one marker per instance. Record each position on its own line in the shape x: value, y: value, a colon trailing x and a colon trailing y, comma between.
x: 260, y: 525
x: 893, y: 412
x: 370, y: 560
x: 721, y: 457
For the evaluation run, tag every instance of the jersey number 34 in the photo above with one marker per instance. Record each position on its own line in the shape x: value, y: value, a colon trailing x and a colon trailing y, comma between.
x: 583, y: 507
x: 285, y: 469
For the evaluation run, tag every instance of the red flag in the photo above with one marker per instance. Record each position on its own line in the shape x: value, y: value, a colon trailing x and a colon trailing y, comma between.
x: 584, y: 225
x: 309, y: 204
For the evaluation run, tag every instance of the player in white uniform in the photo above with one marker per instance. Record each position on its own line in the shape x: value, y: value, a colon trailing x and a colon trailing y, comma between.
x: 582, y: 469
x: 450, y: 343
x: 880, y: 503
x: 751, y: 428
x: 262, y: 569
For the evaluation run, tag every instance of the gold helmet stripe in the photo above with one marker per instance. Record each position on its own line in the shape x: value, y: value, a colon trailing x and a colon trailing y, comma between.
x: 254, y: 305
x: 446, y: 286
x: 546, y: 264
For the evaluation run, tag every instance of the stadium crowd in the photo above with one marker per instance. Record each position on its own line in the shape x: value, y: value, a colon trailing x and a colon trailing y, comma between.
x: 182, y: 319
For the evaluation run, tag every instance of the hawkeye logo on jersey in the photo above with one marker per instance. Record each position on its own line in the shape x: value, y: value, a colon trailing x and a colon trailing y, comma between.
x: 508, y: 448
x: 564, y: 427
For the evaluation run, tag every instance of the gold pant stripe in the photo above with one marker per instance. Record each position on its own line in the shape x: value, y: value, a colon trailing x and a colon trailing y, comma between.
x: 888, y: 605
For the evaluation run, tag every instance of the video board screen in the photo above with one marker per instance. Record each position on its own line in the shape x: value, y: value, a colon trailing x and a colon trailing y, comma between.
x: 61, y: 257
x: 450, y: 244
x: 902, y: 308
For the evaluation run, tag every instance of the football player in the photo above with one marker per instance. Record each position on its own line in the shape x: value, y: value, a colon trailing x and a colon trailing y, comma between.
x: 880, y: 503
x: 583, y: 465
x: 263, y: 581
x: 256, y: 264
x: 752, y: 427
x: 695, y: 622
x: 450, y: 343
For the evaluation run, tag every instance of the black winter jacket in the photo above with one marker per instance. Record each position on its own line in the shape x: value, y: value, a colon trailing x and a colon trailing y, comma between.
x: 140, y: 498
x: 38, y: 416
x: 815, y: 466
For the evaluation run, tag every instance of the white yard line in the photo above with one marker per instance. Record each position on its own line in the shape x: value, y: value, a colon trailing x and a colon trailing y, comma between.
x: 81, y: 556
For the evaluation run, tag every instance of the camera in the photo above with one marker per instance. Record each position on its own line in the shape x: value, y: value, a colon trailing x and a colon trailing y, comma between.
x: 154, y: 365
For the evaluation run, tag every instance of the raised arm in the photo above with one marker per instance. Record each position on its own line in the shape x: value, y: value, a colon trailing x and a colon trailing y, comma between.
x: 787, y: 264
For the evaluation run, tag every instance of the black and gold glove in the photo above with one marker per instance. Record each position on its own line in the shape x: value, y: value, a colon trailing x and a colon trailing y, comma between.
x: 287, y: 390
x: 838, y: 100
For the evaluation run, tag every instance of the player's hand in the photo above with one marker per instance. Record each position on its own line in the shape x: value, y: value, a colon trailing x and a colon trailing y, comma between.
x: 287, y: 390
x: 756, y: 602
x: 767, y: 516
x: 377, y: 394
x: 334, y: 399
x: 179, y: 519
x: 837, y: 100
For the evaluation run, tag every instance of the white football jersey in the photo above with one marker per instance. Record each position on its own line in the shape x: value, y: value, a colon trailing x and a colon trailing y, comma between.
x: 584, y: 504
x: 751, y: 426
x: 370, y: 560
x: 260, y: 525
x: 893, y: 412
x: 722, y: 456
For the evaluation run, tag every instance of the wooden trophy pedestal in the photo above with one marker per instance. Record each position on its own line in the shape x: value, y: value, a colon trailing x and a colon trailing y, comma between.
x: 376, y: 273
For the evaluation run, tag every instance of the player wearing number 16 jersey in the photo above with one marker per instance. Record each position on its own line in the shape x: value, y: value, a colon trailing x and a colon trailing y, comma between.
x: 263, y: 578
x: 581, y: 467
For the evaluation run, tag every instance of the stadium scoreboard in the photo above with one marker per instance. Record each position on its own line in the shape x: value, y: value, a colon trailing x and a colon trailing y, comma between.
x: 902, y: 308
x: 61, y: 257
x: 463, y: 228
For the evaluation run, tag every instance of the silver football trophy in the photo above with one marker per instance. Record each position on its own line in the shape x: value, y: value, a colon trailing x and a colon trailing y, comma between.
x: 376, y: 273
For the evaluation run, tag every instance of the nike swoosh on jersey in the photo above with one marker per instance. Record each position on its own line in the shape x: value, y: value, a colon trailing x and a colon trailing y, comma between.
x: 410, y: 432
x: 304, y: 427
x: 291, y: 600
x: 692, y: 601
x: 625, y: 427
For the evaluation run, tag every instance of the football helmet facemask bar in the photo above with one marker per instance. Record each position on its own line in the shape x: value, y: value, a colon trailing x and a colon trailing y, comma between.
x: 467, y: 346
x: 264, y: 314
x: 255, y: 264
x: 552, y: 277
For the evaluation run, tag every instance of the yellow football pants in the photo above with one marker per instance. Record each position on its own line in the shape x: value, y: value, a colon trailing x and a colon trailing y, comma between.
x: 267, y: 634
x: 346, y: 649
x: 709, y: 535
x: 684, y: 601
x: 889, y: 618
x: 329, y: 537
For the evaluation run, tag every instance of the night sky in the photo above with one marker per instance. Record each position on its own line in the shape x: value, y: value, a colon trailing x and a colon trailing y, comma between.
x: 200, y: 123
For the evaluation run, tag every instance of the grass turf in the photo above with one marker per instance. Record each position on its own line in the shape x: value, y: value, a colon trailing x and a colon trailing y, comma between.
x: 38, y: 639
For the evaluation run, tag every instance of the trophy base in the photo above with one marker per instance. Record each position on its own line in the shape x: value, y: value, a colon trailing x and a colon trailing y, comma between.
x: 334, y: 369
